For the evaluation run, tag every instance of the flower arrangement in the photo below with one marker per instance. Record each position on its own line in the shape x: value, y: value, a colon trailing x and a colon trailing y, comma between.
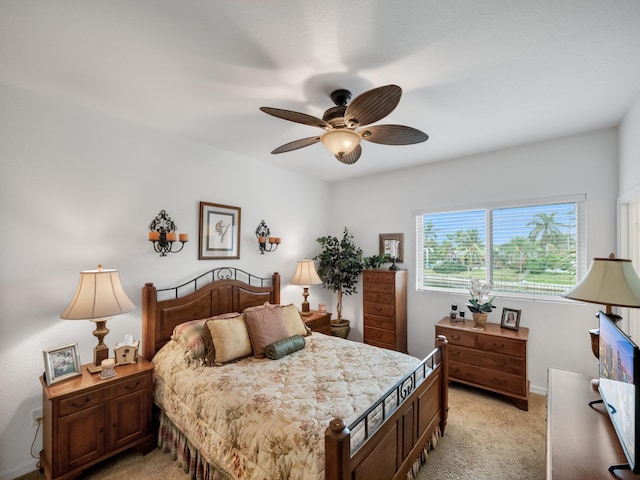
x: 480, y: 301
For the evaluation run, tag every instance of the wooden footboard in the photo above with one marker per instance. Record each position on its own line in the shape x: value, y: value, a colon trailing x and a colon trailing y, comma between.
x: 390, y: 449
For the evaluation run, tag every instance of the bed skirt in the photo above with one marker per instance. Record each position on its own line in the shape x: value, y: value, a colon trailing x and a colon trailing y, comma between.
x: 172, y: 440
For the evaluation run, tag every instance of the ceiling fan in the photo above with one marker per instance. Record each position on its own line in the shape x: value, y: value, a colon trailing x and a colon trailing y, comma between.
x: 346, y: 123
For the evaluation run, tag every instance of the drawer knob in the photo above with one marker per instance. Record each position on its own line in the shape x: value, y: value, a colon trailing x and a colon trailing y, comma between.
x: 129, y: 387
x: 75, y: 403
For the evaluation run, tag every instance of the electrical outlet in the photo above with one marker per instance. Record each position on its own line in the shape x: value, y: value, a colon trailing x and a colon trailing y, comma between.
x: 36, y: 415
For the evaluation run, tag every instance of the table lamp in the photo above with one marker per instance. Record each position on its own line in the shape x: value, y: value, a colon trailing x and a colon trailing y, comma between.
x: 610, y: 282
x: 99, y: 297
x: 306, y: 275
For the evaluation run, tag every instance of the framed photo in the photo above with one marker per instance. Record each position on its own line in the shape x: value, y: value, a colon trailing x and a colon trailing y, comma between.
x: 219, y: 232
x: 61, y: 363
x: 389, y: 241
x: 510, y: 319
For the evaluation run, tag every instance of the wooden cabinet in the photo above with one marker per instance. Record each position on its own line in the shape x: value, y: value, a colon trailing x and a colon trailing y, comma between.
x: 318, y: 322
x: 87, y: 419
x: 494, y: 358
x: 385, y: 308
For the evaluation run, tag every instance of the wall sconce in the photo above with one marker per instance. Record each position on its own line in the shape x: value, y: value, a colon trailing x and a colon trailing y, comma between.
x: 263, y: 232
x: 163, y: 234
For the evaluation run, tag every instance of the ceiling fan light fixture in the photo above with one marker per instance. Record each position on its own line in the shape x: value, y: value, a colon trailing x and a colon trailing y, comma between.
x: 340, y: 141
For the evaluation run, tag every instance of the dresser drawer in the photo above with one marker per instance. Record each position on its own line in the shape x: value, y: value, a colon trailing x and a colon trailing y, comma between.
x: 458, y: 337
x: 379, y: 335
x: 495, y: 361
x: 484, y: 377
x: 379, y: 297
x: 384, y: 278
x: 505, y: 346
x: 381, y: 309
x: 385, y: 323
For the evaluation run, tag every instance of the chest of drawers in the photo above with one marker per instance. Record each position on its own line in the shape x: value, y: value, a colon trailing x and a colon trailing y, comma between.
x: 494, y: 358
x: 385, y: 308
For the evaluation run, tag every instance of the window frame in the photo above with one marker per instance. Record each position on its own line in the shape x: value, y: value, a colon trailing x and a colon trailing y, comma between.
x: 581, y: 242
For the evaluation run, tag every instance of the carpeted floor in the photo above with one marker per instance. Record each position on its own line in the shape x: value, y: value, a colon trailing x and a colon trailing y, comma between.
x: 487, y: 438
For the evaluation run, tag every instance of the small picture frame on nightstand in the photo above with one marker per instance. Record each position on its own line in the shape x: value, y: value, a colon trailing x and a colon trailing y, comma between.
x: 61, y: 363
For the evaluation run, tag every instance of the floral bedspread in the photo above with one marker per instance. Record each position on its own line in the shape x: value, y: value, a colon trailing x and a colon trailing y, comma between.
x: 265, y: 419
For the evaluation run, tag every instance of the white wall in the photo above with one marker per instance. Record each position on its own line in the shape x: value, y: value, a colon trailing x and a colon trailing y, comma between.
x: 586, y: 164
x: 78, y: 189
x: 630, y: 150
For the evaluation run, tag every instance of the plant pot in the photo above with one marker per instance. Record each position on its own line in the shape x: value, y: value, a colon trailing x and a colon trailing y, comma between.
x: 479, y: 319
x: 341, y: 329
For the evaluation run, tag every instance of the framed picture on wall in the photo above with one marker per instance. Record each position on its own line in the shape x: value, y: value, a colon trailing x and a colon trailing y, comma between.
x: 392, y: 243
x: 510, y: 319
x: 61, y: 363
x: 219, y: 232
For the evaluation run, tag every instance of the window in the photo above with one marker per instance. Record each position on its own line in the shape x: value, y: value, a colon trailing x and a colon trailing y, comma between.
x: 526, y: 250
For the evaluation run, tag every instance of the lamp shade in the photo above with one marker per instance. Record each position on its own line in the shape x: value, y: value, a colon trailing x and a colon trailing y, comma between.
x: 99, y: 295
x: 609, y: 281
x: 306, y: 273
x: 340, y: 141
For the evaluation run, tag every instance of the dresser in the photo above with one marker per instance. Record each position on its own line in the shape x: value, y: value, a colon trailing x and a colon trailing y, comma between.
x: 87, y: 419
x: 493, y: 358
x: 385, y: 308
x: 318, y: 322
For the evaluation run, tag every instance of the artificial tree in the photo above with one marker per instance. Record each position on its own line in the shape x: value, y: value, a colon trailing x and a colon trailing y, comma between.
x: 340, y: 264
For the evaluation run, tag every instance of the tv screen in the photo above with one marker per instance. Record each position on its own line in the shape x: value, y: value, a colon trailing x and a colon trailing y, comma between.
x: 618, y: 387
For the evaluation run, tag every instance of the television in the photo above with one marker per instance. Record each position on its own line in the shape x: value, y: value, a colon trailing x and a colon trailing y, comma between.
x: 619, y: 388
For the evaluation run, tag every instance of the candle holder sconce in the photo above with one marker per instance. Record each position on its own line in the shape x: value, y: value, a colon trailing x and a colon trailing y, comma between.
x: 163, y: 234
x: 263, y: 234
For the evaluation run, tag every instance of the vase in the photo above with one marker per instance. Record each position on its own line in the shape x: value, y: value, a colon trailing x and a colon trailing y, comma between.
x: 340, y: 329
x: 479, y: 319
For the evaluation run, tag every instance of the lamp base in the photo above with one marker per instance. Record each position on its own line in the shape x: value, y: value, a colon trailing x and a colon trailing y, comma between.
x: 100, y: 351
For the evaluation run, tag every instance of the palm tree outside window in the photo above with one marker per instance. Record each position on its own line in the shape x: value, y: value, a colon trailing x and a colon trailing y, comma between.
x: 533, y: 249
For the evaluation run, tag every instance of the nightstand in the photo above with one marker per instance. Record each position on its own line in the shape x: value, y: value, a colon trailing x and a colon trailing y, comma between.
x: 87, y: 419
x: 318, y: 322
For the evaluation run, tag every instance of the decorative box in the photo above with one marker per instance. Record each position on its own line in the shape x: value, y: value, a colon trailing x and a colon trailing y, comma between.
x: 126, y: 354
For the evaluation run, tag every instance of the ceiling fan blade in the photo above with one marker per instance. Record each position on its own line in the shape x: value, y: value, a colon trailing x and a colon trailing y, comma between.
x: 372, y: 105
x: 303, y: 142
x: 393, y: 135
x: 351, y: 158
x: 297, y: 117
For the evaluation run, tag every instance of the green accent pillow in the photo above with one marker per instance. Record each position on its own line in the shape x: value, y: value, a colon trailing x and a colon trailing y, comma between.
x: 284, y: 347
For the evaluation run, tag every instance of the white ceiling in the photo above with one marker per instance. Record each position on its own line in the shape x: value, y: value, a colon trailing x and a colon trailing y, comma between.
x: 477, y: 75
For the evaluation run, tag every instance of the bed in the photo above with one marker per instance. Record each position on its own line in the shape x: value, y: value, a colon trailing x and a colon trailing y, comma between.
x: 325, y: 408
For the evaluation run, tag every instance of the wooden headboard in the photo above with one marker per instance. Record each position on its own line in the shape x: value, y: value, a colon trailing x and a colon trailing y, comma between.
x: 218, y: 291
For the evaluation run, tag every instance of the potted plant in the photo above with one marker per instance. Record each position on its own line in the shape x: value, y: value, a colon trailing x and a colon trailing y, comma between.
x: 340, y: 263
x: 480, y: 304
x: 375, y: 261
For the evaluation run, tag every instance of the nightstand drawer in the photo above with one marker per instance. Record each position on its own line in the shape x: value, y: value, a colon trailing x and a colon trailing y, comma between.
x: 82, y: 401
x: 141, y: 382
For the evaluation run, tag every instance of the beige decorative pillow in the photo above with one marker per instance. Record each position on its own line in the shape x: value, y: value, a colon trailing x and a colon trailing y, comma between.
x: 230, y: 339
x: 293, y: 321
x: 265, y: 327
